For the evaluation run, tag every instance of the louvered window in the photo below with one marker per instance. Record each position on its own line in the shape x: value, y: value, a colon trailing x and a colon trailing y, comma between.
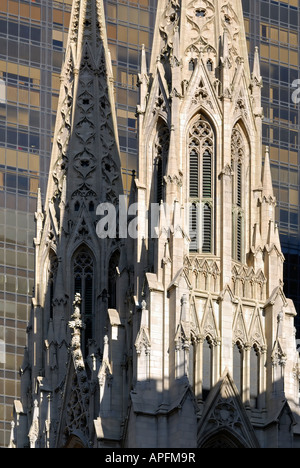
x: 159, y: 178
x: 239, y: 185
x: 201, y: 176
x: 237, y: 165
x: 193, y: 228
x: 194, y: 174
x: 207, y: 175
x: 207, y: 223
x: 239, y: 239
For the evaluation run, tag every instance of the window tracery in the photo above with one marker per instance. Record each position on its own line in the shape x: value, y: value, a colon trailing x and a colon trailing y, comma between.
x: 201, y: 185
x: 83, y: 271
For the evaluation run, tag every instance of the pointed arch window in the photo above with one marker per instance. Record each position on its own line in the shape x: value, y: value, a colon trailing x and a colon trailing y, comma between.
x: 112, y: 279
x: 254, y: 375
x: 83, y: 271
x: 210, y: 65
x: 238, y: 362
x: 207, y: 366
x: 162, y: 143
x: 238, y: 202
x: 192, y: 362
x: 52, y: 273
x: 192, y: 64
x: 201, y: 185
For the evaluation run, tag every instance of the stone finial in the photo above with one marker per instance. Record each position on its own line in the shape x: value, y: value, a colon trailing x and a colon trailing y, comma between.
x: 76, y: 324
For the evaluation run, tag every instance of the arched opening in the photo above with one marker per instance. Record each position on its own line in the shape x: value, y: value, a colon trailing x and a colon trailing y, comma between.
x: 201, y: 147
x: 192, y: 64
x: 238, y: 358
x: 207, y: 366
x: 210, y: 65
x: 192, y: 363
x: 222, y: 439
x: 74, y: 442
x: 52, y: 273
x: 112, y: 279
x: 239, y: 192
x: 254, y: 376
x: 161, y: 146
x: 83, y: 275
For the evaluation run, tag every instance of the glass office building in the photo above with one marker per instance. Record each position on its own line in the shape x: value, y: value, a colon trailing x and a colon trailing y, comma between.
x: 33, y: 34
x: 274, y: 27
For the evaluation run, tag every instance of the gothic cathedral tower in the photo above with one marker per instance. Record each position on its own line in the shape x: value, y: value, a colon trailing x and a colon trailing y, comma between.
x: 174, y: 332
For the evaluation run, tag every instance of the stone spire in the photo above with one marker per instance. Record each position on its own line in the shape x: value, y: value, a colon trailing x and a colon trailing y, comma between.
x: 85, y: 143
x: 267, y: 184
x: 85, y: 171
x: 172, y: 327
x: 199, y: 25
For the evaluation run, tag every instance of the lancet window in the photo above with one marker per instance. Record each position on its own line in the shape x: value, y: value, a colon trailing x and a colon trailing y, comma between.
x: 237, y: 165
x: 254, y: 375
x: 112, y: 278
x: 248, y: 372
x: 162, y: 143
x: 83, y: 270
x: 238, y: 363
x: 207, y: 367
x: 201, y: 185
x: 53, y: 264
x: 192, y: 363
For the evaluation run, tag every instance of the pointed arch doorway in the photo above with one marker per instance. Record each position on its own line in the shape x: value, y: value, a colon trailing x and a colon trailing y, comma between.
x: 74, y: 442
x: 222, y: 439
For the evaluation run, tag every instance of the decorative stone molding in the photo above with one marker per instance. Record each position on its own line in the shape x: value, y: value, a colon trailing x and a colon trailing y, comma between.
x: 169, y: 25
x: 200, y: 17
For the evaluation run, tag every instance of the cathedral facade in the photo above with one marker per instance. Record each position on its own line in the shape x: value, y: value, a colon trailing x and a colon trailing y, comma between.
x: 159, y: 320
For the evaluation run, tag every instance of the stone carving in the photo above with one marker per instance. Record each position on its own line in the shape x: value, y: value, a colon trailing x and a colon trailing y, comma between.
x: 239, y: 327
x: 143, y: 338
x: 109, y: 170
x: 160, y: 104
x: 169, y: 24
x: 248, y: 283
x: 64, y: 132
x: 84, y: 191
x: 209, y: 327
x: 237, y: 146
x: 76, y: 415
x: 230, y: 23
x: 202, y: 95
x: 200, y: 16
x: 88, y: 72
x: 76, y: 411
x: 77, y: 325
x: 110, y: 177
x: 204, y: 273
